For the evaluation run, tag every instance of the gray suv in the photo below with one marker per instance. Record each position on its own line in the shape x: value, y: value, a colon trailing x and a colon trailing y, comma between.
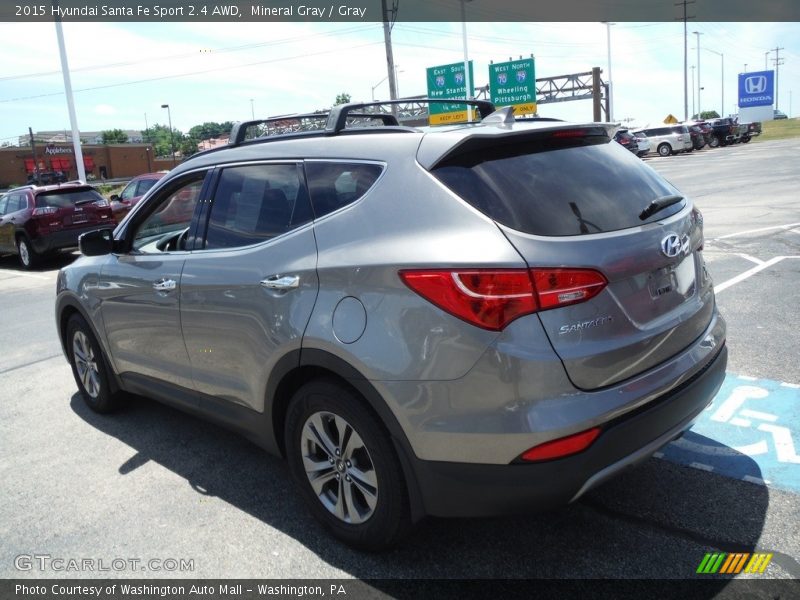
x: 474, y: 320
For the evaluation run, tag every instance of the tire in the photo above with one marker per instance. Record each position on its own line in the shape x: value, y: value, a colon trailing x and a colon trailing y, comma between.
x: 358, y: 492
x: 28, y: 257
x: 664, y: 149
x: 745, y: 139
x: 89, y: 367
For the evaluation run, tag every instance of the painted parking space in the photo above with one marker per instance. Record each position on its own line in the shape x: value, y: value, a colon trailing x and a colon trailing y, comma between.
x: 750, y: 432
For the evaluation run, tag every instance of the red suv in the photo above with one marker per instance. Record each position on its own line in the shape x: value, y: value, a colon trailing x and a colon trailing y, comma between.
x: 35, y: 221
x: 137, y: 187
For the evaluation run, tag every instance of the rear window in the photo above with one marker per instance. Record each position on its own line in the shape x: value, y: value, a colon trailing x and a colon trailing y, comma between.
x: 556, y: 186
x: 67, y: 198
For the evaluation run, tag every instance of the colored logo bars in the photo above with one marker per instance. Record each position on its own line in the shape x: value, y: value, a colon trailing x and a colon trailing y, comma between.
x: 733, y: 563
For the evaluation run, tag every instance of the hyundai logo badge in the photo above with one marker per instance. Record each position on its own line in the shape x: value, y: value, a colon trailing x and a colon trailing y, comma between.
x: 671, y: 245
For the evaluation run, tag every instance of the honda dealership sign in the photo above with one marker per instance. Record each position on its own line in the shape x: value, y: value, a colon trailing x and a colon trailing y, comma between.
x: 756, y: 89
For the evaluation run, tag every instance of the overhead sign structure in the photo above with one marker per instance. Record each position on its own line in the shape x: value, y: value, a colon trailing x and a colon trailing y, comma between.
x: 756, y: 89
x: 513, y: 84
x: 447, y: 81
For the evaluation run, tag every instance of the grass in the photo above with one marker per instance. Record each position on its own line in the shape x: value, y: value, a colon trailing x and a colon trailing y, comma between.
x: 779, y: 130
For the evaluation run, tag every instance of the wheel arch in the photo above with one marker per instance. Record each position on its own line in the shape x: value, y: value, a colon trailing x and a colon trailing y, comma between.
x: 66, y: 307
x: 302, y: 366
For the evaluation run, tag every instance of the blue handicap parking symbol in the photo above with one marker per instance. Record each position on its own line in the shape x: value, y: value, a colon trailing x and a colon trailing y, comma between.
x: 750, y: 432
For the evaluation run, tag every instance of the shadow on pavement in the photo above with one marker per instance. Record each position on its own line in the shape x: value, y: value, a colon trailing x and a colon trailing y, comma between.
x: 656, y: 521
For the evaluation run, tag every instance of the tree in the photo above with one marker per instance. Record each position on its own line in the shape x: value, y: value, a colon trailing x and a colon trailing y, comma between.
x: 159, y: 137
x: 342, y: 98
x: 709, y: 114
x: 114, y: 136
x: 210, y: 130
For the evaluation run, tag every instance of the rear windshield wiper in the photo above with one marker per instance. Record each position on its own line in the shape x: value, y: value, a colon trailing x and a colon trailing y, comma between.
x: 659, y: 204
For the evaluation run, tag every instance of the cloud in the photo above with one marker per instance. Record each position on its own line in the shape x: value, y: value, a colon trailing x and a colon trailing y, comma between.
x: 105, y: 110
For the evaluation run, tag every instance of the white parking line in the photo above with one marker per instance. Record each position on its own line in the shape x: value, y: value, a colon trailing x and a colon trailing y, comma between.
x: 23, y: 274
x: 752, y: 259
x: 730, y: 235
x: 747, y: 274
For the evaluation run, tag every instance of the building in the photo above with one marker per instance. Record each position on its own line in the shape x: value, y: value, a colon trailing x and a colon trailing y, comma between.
x: 115, y: 161
x: 64, y: 136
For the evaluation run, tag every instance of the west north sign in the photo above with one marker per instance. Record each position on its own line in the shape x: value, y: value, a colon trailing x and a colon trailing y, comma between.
x: 445, y: 82
x: 513, y: 84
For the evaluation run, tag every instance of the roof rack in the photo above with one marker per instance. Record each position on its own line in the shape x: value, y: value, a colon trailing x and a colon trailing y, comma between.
x: 337, y: 120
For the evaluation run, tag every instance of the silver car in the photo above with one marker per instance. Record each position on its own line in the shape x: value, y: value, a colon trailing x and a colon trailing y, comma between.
x: 669, y: 139
x: 473, y: 320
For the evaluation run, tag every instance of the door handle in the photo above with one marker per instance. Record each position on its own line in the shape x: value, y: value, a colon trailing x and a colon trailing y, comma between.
x: 164, y: 285
x: 287, y: 282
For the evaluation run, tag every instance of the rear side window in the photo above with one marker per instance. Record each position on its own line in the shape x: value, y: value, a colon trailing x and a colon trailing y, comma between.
x: 255, y: 203
x: 334, y: 185
x: 556, y: 187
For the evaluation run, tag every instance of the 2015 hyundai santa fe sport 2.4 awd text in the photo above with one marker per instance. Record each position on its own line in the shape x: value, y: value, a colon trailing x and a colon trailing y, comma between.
x: 474, y: 320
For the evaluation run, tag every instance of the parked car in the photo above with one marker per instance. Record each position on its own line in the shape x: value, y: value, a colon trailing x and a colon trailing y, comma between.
x: 725, y: 131
x: 137, y: 187
x: 36, y: 221
x: 669, y: 139
x: 477, y: 320
x: 697, y: 136
x: 644, y: 143
x: 627, y: 140
x: 778, y: 114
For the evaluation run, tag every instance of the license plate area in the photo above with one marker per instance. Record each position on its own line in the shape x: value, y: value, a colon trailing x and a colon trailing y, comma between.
x: 676, y: 279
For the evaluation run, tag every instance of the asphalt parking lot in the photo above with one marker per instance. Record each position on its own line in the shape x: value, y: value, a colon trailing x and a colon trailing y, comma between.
x: 158, y: 487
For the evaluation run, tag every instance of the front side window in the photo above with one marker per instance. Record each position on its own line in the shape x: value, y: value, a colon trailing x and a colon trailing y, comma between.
x: 144, y: 186
x: 168, y: 219
x: 129, y: 191
x: 254, y: 203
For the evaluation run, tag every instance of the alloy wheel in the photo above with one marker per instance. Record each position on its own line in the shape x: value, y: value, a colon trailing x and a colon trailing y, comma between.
x: 85, y: 363
x: 339, y: 467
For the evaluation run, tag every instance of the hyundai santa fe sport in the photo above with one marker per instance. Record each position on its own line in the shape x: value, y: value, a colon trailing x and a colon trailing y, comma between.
x: 474, y: 320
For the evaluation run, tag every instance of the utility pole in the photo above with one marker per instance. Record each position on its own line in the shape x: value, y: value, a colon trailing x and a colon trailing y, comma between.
x: 699, y: 104
x: 387, y: 40
x: 777, y: 60
x: 685, y: 61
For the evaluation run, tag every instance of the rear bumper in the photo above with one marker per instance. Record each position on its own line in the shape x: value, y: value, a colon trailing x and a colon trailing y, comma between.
x: 468, y: 490
x: 65, y: 238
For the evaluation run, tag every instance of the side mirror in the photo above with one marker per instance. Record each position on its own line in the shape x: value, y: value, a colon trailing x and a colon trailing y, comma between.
x: 114, y: 197
x: 96, y: 243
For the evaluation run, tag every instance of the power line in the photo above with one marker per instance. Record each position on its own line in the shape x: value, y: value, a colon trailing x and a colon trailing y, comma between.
x: 187, y: 74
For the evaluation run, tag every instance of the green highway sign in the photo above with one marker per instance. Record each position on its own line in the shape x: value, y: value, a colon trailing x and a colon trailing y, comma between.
x: 513, y: 83
x: 447, y: 81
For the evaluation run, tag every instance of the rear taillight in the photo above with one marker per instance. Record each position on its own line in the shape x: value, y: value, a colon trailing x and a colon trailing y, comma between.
x: 44, y: 210
x: 491, y: 299
x: 486, y: 298
x: 101, y: 203
x: 566, y: 446
x: 561, y: 287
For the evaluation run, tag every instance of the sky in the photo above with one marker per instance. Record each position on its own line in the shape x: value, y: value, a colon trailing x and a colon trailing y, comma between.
x: 123, y: 72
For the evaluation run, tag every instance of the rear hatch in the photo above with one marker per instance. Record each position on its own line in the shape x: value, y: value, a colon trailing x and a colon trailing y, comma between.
x: 572, y: 203
x: 71, y: 208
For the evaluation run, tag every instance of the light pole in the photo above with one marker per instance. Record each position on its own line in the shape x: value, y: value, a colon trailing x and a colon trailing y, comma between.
x: 722, y: 79
x: 610, y: 85
x: 171, y: 135
x: 766, y: 54
x: 252, y: 110
x: 699, y: 104
x: 693, y: 113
